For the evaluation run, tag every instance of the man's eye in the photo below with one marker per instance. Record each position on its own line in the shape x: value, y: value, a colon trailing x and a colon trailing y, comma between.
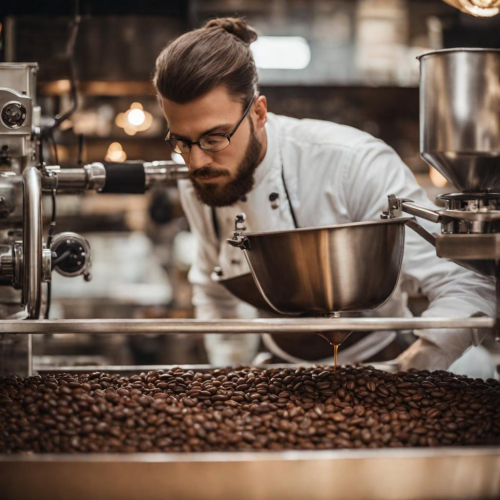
x: 212, y: 140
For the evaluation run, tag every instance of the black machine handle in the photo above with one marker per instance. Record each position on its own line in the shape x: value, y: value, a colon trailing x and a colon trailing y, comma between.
x: 125, y: 178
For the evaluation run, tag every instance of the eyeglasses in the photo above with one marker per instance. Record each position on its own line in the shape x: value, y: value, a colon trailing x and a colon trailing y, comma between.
x: 209, y: 142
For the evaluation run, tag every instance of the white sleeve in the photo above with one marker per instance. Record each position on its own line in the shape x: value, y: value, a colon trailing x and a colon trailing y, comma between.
x: 377, y: 171
x: 210, y: 299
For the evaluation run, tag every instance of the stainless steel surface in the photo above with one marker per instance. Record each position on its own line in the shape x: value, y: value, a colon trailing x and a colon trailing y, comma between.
x: 96, y: 176
x: 91, y: 177
x: 479, y: 216
x: 18, y: 139
x: 6, y: 265
x: 69, y: 179
x: 419, y: 211
x: 244, y: 288
x: 46, y: 265
x: 447, y: 215
x: 344, y: 268
x: 19, y: 77
x: 32, y: 242
x: 460, y: 116
x: 469, y: 246
x: 399, y: 474
x: 158, y: 172
x: 236, y: 326
x: 470, y: 238
x: 479, y: 252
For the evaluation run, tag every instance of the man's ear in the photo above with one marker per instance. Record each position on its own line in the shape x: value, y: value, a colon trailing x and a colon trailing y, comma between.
x: 260, y: 112
x: 159, y: 100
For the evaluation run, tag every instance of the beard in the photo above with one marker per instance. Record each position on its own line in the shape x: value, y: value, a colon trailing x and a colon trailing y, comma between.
x: 228, y: 194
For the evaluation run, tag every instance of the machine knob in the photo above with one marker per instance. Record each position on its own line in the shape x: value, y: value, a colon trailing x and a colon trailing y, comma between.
x: 14, y: 115
x: 70, y: 255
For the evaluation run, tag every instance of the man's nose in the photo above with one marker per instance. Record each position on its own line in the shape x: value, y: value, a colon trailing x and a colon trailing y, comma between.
x: 198, y: 158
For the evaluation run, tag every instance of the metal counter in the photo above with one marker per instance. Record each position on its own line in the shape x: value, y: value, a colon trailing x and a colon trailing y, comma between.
x: 438, y: 473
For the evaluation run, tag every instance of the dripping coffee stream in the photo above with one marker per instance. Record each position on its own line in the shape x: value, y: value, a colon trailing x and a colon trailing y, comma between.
x: 335, y: 339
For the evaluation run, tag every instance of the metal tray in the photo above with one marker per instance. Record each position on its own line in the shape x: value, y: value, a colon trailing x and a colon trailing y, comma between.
x: 416, y: 474
x: 439, y: 473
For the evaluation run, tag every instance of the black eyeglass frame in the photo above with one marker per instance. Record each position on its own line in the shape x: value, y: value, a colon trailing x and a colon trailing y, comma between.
x: 227, y: 136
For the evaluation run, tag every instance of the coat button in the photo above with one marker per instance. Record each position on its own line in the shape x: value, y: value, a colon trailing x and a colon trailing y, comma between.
x: 274, y: 199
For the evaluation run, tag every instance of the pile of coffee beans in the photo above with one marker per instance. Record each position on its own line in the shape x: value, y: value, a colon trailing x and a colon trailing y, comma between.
x: 246, y: 409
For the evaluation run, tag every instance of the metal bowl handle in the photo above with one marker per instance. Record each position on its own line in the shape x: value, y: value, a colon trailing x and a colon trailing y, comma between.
x: 239, y: 241
x: 413, y: 224
x: 399, y: 205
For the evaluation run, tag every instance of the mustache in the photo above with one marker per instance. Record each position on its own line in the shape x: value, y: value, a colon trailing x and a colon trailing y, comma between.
x: 207, y: 172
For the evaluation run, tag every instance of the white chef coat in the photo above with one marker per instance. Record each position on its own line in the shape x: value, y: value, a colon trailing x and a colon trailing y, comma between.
x: 333, y: 174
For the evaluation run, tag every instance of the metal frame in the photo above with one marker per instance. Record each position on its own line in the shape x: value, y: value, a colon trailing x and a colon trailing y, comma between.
x: 237, y: 326
x: 32, y: 241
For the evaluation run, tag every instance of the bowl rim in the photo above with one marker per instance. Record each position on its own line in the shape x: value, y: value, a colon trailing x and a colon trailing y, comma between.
x: 457, y: 50
x: 396, y: 220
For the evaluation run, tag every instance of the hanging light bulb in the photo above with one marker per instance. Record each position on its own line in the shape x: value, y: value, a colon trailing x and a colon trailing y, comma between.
x: 134, y: 119
x: 478, y: 8
x: 115, y: 153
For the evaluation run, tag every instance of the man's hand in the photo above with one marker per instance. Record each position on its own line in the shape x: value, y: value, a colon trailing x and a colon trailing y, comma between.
x: 423, y: 355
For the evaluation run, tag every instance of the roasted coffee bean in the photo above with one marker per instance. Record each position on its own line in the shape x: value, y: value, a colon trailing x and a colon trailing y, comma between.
x: 246, y: 408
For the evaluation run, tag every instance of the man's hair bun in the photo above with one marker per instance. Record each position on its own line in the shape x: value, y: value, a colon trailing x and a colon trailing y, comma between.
x: 236, y: 26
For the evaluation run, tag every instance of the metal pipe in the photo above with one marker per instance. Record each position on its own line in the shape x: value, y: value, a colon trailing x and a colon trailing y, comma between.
x: 158, y: 172
x: 237, y: 326
x: 424, y: 212
x: 32, y: 241
x: 93, y: 175
x: 72, y: 178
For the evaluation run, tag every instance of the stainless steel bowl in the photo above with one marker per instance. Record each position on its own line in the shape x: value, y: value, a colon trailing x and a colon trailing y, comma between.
x: 244, y: 288
x: 460, y: 116
x: 344, y: 268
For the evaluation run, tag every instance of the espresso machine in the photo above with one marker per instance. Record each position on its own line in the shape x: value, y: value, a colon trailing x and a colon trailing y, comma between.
x: 29, y: 252
x: 460, y: 137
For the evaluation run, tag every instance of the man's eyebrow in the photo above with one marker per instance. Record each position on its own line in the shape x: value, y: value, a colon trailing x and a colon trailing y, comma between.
x: 173, y: 135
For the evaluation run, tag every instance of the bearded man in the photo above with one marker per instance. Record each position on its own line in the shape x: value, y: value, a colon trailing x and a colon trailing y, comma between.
x: 285, y: 173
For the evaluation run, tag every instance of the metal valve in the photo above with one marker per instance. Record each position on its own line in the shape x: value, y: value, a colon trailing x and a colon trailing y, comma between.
x: 238, y: 240
x: 71, y: 255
